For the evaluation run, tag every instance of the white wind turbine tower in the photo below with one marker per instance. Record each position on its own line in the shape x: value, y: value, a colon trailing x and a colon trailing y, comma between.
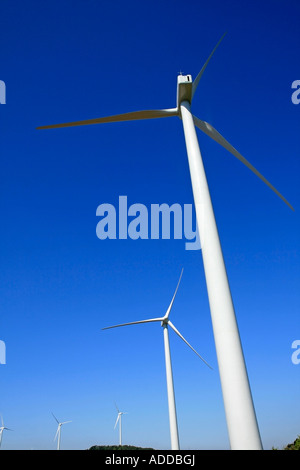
x: 165, y: 322
x: 58, y: 431
x: 239, y: 408
x: 119, y: 419
x: 2, y: 428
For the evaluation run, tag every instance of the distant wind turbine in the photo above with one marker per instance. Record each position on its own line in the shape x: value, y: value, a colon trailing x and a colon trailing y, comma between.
x: 239, y: 408
x: 58, y: 431
x: 2, y: 427
x: 165, y: 322
x: 119, y: 419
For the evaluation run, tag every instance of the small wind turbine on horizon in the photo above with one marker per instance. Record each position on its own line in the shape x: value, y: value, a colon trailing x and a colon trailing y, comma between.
x: 119, y: 420
x: 165, y: 322
x: 58, y: 431
x: 2, y: 428
x: 239, y: 407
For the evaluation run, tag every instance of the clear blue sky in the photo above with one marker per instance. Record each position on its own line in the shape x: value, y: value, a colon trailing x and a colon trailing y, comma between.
x: 60, y: 284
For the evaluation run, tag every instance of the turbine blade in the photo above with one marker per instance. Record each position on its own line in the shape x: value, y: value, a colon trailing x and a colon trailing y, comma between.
x: 133, y: 323
x: 117, y: 421
x: 172, y: 301
x: 197, y: 79
x: 55, y: 418
x: 65, y: 422
x: 117, y: 408
x: 215, y: 135
x: 133, y: 116
x: 8, y: 429
x: 180, y: 336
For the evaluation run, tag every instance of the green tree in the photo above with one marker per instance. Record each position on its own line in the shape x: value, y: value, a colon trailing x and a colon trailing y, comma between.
x: 294, y: 446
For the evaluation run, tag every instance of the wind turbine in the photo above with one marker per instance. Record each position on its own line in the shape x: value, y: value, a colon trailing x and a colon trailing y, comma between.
x: 58, y: 431
x: 2, y: 427
x: 165, y: 322
x: 119, y: 419
x: 239, y: 408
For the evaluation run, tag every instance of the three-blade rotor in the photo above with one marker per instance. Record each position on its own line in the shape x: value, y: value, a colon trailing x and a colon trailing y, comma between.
x: 164, y: 322
x: 202, y: 125
x: 59, y: 425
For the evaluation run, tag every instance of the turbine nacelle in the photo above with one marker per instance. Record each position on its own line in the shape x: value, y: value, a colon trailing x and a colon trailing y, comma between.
x: 184, y: 89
